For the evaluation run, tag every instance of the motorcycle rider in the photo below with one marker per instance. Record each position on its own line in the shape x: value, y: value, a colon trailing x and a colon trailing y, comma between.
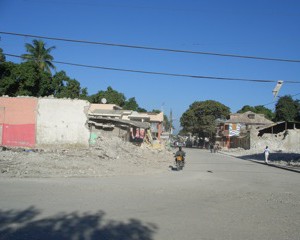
x: 181, y: 153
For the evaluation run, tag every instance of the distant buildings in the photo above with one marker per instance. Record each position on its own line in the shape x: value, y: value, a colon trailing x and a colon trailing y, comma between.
x: 235, y: 132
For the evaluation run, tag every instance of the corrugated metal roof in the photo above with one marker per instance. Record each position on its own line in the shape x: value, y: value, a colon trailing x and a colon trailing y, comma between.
x: 144, y: 125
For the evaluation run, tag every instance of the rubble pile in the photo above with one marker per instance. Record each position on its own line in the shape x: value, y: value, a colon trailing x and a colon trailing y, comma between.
x: 108, y: 157
x: 287, y: 141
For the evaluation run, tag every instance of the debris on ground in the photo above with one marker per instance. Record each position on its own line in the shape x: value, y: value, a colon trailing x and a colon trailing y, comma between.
x: 108, y: 157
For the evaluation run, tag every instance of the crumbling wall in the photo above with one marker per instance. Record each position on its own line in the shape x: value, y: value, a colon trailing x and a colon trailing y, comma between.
x: 287, y: 141
x: 62, y: 123
x: 18, y: 121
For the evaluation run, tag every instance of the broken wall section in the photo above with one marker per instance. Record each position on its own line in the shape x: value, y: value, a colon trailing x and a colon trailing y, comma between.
x: 62, y: 123
x: 286, y: 141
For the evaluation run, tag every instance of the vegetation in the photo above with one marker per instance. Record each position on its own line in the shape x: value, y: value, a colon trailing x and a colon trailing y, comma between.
x: 258, y: 109
x: 287, y: 109
x: 39, y: 55
x: 33, y: 77
x: 200, y: 118
x: 2, y: 56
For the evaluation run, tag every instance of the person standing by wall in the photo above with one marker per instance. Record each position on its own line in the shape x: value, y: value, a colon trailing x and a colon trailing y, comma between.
x: 267, y: 153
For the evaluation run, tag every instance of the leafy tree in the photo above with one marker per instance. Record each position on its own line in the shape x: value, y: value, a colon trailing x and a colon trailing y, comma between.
x: 8, y: 85
x: 2, y: 56
x: 131, y: 104
x: 287, y: 109
x: 258, y: 109
x: 64, y: 87
x: 246, y: 108
x: 112, y: 96
x: 200, y: 117
x: 141, y: 110
x: 84, y: 94
x: 40, y: 55
x: 298, y: 117
x: 18, y: 79
x: 156, y: 111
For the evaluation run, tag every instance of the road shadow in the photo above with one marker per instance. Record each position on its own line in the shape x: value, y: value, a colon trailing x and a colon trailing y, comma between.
x: 275, y: 156
x: 26, y: 225
x: 173, y: 168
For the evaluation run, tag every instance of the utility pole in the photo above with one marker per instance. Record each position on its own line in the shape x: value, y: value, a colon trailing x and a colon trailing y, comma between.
x: 171, y: 122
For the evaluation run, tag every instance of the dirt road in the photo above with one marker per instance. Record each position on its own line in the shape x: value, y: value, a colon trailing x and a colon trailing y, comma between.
x: 214, y: 197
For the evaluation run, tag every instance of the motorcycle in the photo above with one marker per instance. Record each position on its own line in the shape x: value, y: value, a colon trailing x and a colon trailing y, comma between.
x: 179, y: 160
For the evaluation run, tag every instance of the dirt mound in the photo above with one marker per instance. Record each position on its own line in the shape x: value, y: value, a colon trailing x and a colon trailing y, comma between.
x: 110, y: 156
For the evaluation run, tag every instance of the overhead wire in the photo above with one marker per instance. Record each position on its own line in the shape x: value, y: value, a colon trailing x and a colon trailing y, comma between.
x: 153, y: 48
x: 279, y: 97
x: 162, y: 73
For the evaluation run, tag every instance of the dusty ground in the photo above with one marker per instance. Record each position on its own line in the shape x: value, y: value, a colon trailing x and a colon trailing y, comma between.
x: 214, y: 197
x: 110, y: 156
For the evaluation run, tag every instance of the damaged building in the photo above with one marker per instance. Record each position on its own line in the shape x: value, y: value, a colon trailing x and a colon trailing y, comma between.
x: 31, y: 122
x: 126, y: 124
x: 235, y: 132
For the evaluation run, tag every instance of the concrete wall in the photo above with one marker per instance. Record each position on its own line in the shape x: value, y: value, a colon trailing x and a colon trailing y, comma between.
x: 18, y: 121
x: 62, y: 123
x: 287, y: 141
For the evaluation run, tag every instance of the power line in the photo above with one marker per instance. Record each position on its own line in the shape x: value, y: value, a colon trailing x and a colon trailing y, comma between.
x: 162, y: 73
x: 154, y: 48
x: 276, y: 101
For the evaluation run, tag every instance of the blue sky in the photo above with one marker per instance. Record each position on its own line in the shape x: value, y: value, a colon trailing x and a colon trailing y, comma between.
x: 264, y: 28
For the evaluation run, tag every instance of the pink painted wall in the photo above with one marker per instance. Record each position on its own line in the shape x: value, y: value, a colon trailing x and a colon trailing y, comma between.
x: 18, y: 121
x: 18, y: 135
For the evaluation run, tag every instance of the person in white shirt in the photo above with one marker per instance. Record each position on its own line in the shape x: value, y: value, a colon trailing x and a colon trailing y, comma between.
x: 267, y: 153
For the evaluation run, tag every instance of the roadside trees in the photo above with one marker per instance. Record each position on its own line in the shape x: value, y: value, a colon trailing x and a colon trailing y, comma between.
x: 258, y: 109
x: 200, y: 117
x: 287, y: 109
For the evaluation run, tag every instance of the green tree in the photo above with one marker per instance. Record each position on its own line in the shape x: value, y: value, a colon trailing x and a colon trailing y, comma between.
x: 298, y: 117
x: 40, y: 55
x: 156, y: 111
x: 200, y: 117
x: 84, y: 94
x: 19, y: 79
x: 131, y: 104
x: 112, y: 96
x: 287, y: 109
x: 2, y: 56
x: 141, y: 110
x: 65, y: 87
x: 8, y: 85
x: 258, y: 109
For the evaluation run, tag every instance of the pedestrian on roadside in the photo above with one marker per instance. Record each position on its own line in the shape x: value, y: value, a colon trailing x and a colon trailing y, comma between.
x: 211, y: 147
x: 267, y: 153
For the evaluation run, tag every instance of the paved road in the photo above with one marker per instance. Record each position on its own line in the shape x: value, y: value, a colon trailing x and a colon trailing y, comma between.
x: 214, y: 197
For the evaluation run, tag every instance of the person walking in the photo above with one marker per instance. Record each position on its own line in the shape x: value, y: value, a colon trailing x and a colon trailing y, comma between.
x: 267, y: 153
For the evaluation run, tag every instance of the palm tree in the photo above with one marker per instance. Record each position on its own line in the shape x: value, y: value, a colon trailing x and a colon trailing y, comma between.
x: 39, y: 54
